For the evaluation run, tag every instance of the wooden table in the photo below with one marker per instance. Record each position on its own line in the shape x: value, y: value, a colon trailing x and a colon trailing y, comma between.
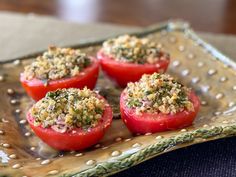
x: 205, y: 15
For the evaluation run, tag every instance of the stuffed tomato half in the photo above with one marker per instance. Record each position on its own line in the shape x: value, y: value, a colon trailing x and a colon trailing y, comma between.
x: 126, y: 58
x: 59, y: 68
x: 157, y: 103
x: 70, y: 119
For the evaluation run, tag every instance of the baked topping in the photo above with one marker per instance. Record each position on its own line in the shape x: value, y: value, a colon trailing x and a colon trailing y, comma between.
x: 65, y: 109
x: 158, y: 93
x: 133, y: 50
x: 57, y: 63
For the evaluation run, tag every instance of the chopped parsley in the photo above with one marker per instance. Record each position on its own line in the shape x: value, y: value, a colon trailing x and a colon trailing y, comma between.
x: 65, y: 109
x: 131, y: 49
x: 57, y: 63
x: 158, y: 93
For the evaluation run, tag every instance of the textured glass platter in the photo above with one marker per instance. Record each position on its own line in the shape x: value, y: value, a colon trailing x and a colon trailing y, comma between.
x: 193, y: 61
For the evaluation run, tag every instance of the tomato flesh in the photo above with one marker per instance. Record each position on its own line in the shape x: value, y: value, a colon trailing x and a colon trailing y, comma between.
x: 78, y: 140
x: 37, y: 90
x: 122, y: 72
x: 157, y: 122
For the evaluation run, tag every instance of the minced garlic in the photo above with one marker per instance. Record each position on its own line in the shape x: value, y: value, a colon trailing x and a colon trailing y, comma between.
x: 133, y: 50
x: 66, y: 109
x: 57, y: 63
x: 158, y: 93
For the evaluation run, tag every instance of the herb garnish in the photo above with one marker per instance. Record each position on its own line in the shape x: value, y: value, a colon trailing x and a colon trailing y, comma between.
x: 57, y: 63
x: 131, y: 49
x: 66, y: 109
x: 158, y: 93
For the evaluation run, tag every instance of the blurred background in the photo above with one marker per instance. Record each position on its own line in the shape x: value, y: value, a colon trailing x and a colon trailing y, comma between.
x: 217, y: 16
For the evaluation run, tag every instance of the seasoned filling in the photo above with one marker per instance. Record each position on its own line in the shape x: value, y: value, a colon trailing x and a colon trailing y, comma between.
x: 158, y: 93
x: 133, y: 50
x: 57, y: 63
x: 65, y: 109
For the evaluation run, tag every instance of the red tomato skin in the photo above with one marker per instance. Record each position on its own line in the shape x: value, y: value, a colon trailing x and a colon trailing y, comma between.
x: 122, y: 72
x: 36, y: 89
x: 157, y: 122
x: 80, y: 140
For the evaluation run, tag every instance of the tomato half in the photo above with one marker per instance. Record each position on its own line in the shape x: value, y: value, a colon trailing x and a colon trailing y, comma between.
x: 122, y: 72
x: 37, y: 90
x: 157, y: 122
x: 77, y: 139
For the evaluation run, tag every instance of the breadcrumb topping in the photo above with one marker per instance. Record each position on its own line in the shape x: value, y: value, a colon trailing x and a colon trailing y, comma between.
x: 133, y: 50
x: 57, y: 63
x: 65, y: 109
x: 158, y: 93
